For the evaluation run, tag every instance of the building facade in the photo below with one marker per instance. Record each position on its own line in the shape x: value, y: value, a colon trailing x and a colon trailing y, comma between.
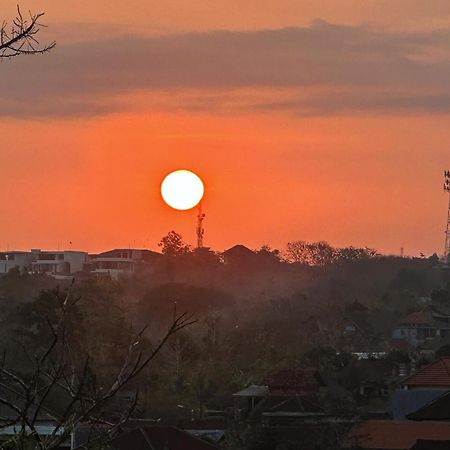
x: 117, y: 262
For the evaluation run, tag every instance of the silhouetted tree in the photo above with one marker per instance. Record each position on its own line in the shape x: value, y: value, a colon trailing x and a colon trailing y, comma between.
x: 173, y: 245
x: 354, y: 253
x: 20, y: 37
x: 310, y: 253
x: 55, y: 371
x: 268, y: 255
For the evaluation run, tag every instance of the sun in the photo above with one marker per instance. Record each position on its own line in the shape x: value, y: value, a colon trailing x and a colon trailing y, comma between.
x: 182, y: 189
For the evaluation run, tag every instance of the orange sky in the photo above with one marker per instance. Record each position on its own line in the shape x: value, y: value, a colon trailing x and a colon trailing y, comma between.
x: 318, y: 131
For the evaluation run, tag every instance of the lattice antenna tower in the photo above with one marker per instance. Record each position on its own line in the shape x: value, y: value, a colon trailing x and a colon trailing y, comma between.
x: 200, y: 230
x: 447, y: 230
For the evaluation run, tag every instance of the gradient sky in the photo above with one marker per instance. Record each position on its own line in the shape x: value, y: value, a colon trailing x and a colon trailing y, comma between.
x: 314, y: 120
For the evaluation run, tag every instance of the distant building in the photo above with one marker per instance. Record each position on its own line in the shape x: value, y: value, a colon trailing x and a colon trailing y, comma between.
x: 60, y: 264
x: 121, y: 261
x: 11, y: 260
x: 420, y: 326
x: 421, y: 388
x: 68, y: 263
x: 239, y: 254
x: 287, y: 398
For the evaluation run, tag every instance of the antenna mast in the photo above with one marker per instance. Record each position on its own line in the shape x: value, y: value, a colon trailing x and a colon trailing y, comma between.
x: 200, y: 230
x: 447, y: 231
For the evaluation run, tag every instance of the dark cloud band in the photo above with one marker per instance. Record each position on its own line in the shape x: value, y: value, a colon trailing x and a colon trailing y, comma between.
x: 365, y: 70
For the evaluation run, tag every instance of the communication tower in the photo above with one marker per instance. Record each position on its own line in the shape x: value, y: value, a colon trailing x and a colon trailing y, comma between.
x: 447, y: 231
x: 200, y: 230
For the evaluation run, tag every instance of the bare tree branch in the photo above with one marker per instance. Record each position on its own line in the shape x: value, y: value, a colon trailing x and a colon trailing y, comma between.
x: 54, y: 372
x: 20, y: 37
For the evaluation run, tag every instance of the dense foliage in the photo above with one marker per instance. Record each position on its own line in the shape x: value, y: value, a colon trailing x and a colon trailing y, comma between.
x: 256, y: 311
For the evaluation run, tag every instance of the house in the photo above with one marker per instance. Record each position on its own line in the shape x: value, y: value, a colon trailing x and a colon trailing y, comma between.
x: 54, y: 263
x: 396, y: 435
x: 251, y: 395
x: 10, y: 260
x: 121, y: 261
x: 421, y: 326
x: 59, y: 264
x: 158, y: 438
x: 290, y: 411
x: 239, y: 254
x: 422, y: 387
x: 288, y: 398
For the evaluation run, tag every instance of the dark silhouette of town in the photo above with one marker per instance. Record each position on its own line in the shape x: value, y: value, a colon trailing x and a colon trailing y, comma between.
x: 309, y: 347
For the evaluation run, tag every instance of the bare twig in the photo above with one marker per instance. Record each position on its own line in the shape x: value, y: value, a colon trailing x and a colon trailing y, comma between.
x: 19, y: 38
x: 55, y: 372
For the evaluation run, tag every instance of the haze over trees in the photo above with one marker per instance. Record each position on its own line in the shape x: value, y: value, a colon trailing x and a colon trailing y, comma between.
x: 254, y: 311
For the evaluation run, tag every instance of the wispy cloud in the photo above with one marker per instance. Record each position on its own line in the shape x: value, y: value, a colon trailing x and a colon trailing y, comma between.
x: 328, y: 69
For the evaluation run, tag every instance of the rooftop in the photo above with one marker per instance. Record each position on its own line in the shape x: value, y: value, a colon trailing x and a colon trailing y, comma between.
x: 402, y: 435
x: 424, y: 317
x: 253, y: 391
x: 435, y: 374
x: 436, y: 409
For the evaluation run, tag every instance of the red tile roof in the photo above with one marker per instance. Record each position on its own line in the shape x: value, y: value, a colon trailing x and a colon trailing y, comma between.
x: 287, y: 382
x: 419, y: 317
x: 396, y: 435
x: 436, y: 374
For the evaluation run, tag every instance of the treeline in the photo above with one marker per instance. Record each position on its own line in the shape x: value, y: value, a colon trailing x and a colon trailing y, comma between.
x: 309, y: 253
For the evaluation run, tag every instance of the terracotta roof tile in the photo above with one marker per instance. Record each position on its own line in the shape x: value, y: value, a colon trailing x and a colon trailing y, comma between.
x: 435, y: 374
x: 418, y: 317
x: 393, y: 435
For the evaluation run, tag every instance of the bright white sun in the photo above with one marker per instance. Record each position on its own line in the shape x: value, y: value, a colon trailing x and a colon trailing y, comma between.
x: 182, y: 189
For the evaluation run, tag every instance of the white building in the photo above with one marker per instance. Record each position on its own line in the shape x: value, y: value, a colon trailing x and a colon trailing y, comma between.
x: 10, y: 260
x: 58, y: 264
x: 65, y: 264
